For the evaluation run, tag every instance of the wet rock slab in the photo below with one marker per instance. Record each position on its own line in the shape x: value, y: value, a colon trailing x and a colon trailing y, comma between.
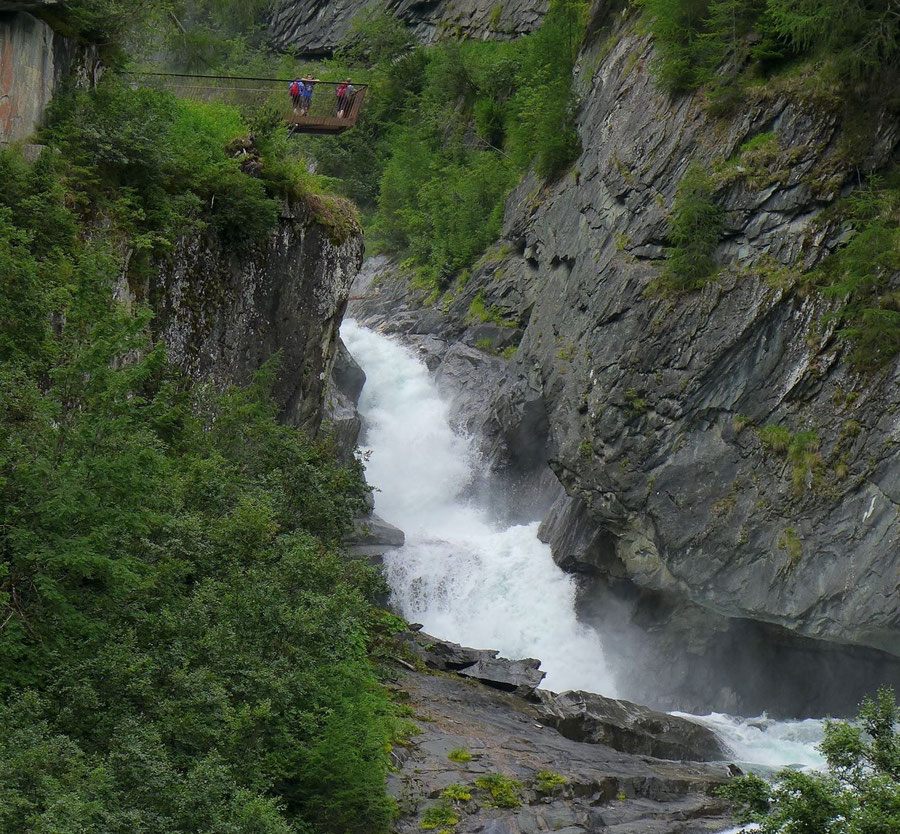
x: 631, y: 728
x: 604, y: 790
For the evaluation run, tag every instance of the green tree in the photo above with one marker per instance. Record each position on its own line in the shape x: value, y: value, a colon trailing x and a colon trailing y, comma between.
x: 859, y: 794
x: 694, y: 228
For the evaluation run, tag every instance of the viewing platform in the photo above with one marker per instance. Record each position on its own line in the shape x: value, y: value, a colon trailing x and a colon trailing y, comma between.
x: 247, y: 93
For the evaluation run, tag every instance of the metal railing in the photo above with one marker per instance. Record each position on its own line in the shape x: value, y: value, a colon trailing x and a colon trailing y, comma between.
x: 321, y: 115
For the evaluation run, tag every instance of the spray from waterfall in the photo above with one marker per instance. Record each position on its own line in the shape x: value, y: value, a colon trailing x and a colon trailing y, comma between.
x: 462, y: 574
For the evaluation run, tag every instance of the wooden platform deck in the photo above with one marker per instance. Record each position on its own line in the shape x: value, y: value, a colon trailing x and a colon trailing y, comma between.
x: 249, y: 93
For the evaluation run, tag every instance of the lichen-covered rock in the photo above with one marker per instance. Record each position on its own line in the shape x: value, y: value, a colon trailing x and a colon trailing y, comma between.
x: 223, y: 312
x: 316, y: 27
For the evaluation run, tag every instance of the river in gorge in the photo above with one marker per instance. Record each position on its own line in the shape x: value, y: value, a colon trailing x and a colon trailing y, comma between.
x: 470, y: 578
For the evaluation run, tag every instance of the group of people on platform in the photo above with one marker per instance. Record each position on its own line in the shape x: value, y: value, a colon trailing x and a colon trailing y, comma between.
x: 301, y: 92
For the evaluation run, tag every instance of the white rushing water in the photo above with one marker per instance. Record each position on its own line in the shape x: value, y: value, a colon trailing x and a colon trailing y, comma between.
x: 768, y: 743
x: 472, y: 580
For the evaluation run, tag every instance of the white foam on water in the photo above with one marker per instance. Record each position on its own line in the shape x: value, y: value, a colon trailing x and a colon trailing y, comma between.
x: 764, y: 742
x: 465, y: 577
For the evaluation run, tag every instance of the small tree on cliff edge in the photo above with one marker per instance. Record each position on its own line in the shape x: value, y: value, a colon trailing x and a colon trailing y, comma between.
x: 859, y: 794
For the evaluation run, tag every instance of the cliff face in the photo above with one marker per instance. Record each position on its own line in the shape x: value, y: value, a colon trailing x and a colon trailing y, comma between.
x: 223, y: 312
x: 33, y: 60
x: 316, y: 27
x: 726, y: 554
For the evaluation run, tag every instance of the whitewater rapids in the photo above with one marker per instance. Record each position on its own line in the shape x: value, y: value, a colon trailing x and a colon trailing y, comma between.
x: 471, y: 579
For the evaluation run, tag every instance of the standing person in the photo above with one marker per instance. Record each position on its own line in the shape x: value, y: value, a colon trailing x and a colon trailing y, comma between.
x: 294, y: 91
x: 306, y: 91
x: 344, y: 93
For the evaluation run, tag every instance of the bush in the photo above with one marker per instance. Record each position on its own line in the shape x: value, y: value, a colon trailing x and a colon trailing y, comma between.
x: 159, y: 166
x: 694, y: 228
x: 860, y: 791
x: 182, y: 649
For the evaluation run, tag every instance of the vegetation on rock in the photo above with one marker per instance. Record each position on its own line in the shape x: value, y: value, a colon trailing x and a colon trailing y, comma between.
x: 448, y: 131
x: 853, y: 39
x: 182, y: 647
x: 694, y: 229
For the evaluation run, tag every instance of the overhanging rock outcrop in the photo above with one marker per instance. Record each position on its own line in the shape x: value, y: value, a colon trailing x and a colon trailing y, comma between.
x: 316, y: 27
x: 223, y: 312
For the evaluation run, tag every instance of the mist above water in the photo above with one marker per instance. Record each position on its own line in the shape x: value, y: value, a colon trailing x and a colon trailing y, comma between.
x: 473, y: 579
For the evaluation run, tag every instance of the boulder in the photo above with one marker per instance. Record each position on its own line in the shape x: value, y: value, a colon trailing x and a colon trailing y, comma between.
x: 519, y: 676
x: 628, y: 727
x: 443, y: 654
x: 372, y: 537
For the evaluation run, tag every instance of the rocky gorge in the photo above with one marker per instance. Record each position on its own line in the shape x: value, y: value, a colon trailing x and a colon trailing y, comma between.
x: 723, y: 556
x: 719, y: 570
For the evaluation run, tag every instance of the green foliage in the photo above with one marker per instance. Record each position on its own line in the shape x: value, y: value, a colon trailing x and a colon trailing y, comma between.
x: 694, y: 228
x: 863, y: 274
x: 157, y: 166
x: 504, y: 792
x: 698, y: 39
x: 182, y: 649
x: 457, y: 793
x: 637, y: 405
x: 440, y: 815
x: 860, y: 793
x: 792, y: 544
x: 546, y: 781
x: 801, y: 450
x: 775, y: 438
x: 460, y: 755
x: 448, y: 130
x: 479, y: 311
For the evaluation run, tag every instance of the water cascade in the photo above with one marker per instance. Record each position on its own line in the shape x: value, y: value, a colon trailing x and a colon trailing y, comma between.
x: 473, y: 580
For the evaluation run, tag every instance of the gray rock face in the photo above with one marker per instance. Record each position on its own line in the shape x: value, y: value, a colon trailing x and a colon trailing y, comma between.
x: 372, y: 537
x: 519, y: 676
x: 223, y: 313
x: 316, y: 27
x: 340, y: 417
x: 33, y: 60
x: 584, y: 716
x: 721, y: 551
x: 605, y: 791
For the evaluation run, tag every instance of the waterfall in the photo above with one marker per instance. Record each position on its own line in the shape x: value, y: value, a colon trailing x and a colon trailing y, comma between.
x: 471, y: 579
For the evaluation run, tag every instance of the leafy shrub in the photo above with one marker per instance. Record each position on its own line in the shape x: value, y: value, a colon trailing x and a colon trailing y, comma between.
x: 694, y: 228
x: 860, y: 791
x: 504, y: 791
x: 159, y: 166
x: 460, y: 755
x: 181, y: 648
